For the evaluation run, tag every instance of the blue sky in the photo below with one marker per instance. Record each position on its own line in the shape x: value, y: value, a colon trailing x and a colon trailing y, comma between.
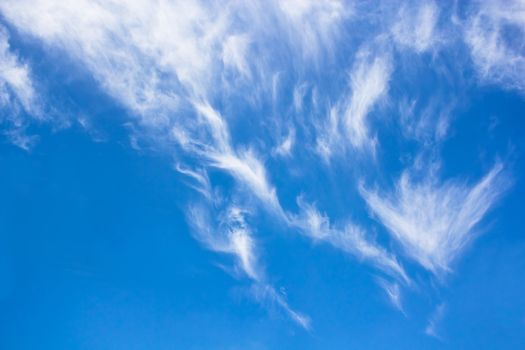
x: 262, y: 175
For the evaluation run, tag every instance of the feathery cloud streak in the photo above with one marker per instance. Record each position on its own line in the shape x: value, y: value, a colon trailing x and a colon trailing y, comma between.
x: 433, y: 221
x: 496, y: 37
x: 231, y: 235
x: 17, y: 95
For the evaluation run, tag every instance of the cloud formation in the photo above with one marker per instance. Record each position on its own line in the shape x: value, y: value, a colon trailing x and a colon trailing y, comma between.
x: 416, y: 26
x: 350, y: 239
x: 231, y: 235
x: 432, y: 328
x: 244, y: 88
x: 347, y: 121
x: 496, y: 37
x: 17, y: 95
x: 433, y: 220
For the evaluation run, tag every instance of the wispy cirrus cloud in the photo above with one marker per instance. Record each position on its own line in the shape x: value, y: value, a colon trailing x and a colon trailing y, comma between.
x: 393, y: 292
x: 163, y: 61
x: 432, y: 328
x: 434, y: 220
x: 369, y: 82
x: 350, y: 238
x: 231, y: 235
x: 495, y: 34
x: 18, y: 99
x: 346, y: 125
x: 131, y: 45
x: 215, y: 149
x: 315, y: 25
x: 429, y: 123
x: 189, y: 73
x: 167, y: 74
x: 266, y: 294
x: 285, y: 148
x: 416, y: 26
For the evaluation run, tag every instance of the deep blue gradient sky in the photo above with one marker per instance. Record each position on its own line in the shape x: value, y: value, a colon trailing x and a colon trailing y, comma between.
x: 262, y: 175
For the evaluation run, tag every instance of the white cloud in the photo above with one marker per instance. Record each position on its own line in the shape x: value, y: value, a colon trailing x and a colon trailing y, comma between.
x: 150, y: 54
x: 328, y: 136
x: 265, y: 293
x: 495, y: 34
x: 299, y: 92
x: 162, y: 60
x: 314, y: 24
x: 250, y: 171
x: 216, y: 151
x: 129, y: 45
x: 433, y: 220
x: 415, y: 27
x: 231, y: 235
x: 428, y: 124
x: 234, y: 54
x: 14, y: 75
x: 433, y: 322
x: 173, y: 65
x: 18, y: 99
x: 369, y: 82
x: 347, y: 121
x: 393, y: 292
x: 200, y: 176
x: 284, y: 149
x: 350, y: 239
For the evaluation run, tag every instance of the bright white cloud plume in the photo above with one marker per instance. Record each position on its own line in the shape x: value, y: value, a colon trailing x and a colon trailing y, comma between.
x: 434, y: 220
x: 129, y: 45
x: 167, y: 73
